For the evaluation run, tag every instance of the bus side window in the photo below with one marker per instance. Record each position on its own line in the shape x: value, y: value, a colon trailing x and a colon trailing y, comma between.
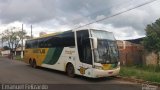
x: 41, y: 43
x: 35, y: 44
x: 27, y: 44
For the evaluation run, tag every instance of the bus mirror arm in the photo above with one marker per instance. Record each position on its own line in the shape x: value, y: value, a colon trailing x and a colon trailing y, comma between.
x: 95, y: 41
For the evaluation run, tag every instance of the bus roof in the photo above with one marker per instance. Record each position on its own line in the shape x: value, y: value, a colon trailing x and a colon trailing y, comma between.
x: 47, y: 35
x: 92, y: 29
x: 56, y: 33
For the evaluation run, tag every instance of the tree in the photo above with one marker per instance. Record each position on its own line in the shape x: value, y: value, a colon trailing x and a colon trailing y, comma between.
x: 12, y: 36
x: 152, y: 40
x: 6, y: 48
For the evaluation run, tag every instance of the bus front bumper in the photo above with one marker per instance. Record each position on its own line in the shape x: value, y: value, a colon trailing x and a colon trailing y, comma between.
x: 105, y: 73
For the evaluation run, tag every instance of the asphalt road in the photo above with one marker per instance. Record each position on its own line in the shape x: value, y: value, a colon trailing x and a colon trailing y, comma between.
x: 18, y: 72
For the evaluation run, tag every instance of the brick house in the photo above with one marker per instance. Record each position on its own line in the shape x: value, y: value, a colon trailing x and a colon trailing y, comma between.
x: 131, y: 52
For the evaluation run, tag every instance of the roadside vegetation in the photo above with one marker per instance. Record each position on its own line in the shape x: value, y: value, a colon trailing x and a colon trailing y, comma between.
x: 148, y: 73
x: 18, y: 58
x: 151, y: 43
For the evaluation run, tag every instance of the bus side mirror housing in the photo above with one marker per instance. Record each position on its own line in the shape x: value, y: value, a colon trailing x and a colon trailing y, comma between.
x: 94, y: 42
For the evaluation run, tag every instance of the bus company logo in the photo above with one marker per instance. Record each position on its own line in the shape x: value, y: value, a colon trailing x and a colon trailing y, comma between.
x: 39, y: 51
x: 82, y: 70
x: 69, y: 52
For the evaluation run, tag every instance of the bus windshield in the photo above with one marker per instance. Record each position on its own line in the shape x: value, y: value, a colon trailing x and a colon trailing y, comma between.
x: 107, y: 51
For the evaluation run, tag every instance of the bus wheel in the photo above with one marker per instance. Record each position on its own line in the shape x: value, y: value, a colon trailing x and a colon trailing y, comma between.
x: 30, y: 62
x: 34, y: 65
x: 70, y: 70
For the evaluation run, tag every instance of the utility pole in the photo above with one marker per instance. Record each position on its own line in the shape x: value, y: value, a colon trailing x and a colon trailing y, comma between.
x: 2, y: 42
x: 22, y: 43
x: 2, y: 39
x: 31, y: 32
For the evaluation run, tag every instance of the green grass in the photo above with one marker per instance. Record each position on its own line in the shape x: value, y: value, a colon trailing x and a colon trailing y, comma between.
x: 148, y: 73
x: 1, y: 56
x: 18, y: 58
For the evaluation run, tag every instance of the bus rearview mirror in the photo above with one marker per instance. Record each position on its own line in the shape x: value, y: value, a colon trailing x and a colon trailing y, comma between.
x: 94, y: 42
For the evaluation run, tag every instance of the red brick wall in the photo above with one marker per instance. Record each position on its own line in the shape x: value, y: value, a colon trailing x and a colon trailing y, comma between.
x: 132, y: 54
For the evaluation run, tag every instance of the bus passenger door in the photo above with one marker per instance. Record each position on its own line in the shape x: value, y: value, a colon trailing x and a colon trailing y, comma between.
x: 84, y: 51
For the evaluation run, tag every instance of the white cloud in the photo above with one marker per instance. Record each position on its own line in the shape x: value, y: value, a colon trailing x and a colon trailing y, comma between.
x: 58, y: 15
x: 120, y: 33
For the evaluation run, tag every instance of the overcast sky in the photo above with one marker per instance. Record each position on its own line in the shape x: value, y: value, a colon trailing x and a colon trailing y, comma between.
x: 59, y: 15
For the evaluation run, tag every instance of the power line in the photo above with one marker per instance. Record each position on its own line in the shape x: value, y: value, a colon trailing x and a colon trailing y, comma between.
x: 101, y: 10
x: 97, y: 11
x: 119, y: 13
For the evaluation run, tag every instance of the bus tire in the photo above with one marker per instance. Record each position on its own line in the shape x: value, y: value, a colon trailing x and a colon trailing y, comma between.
x: 70, y: 70
x: 30, y: 62
x: 34, y: 64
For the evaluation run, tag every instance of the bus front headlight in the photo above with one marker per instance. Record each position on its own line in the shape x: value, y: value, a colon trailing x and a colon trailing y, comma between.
x: 98, y: 67
x: 118, y: 65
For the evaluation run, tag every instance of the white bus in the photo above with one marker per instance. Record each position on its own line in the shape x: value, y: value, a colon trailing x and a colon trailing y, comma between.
x: 91, y: 53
